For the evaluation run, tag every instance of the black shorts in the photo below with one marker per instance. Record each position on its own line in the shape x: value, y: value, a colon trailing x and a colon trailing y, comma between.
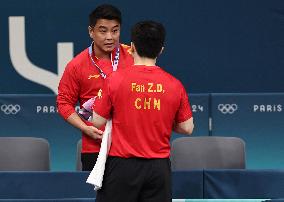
x: 88, y: 161
x: 136, y: 180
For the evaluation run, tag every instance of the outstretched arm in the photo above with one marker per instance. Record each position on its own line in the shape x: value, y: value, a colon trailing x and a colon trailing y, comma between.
x: 91, y: 131
x: 185, y: 127
x: 98, y: 120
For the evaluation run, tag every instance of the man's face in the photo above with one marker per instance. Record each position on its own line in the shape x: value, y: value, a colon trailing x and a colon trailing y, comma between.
x: 105, y: 34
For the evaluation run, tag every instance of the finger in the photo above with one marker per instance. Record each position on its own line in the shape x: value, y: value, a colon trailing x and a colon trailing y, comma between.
x: 99, y: 131
x: 98, y: 137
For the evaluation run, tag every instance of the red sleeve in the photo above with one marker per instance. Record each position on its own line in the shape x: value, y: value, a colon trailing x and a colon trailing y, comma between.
x: 103, y: 105
x: 68, y: 91
x: 184, y: 112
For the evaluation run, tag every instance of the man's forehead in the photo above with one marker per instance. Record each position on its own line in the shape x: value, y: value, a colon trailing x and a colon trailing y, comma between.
x: 101, y: 23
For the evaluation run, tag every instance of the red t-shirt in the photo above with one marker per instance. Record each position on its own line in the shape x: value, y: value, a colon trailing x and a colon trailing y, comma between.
x: 144, y: 102
x: 81, y: 81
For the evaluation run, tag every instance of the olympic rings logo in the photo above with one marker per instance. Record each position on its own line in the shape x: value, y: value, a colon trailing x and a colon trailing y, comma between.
x: 10, y: 109
x: 227, y: 108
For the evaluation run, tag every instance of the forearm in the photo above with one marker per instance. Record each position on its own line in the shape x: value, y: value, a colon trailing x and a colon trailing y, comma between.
x: 76, y: 121
x: 98, y: 120
x: 185, y: 127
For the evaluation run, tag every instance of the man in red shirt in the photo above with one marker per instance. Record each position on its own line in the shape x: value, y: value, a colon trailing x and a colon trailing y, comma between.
x: 145, y: 104
x: 84, y: 75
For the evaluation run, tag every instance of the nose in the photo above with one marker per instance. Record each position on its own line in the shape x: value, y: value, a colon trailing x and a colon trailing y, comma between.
x: 109, y: 36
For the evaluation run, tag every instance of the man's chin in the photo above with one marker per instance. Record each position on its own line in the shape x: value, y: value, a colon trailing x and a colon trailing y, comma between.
x: 109, y: 50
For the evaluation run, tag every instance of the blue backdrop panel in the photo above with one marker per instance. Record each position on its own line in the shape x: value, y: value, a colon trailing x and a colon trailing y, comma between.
x: 36, y: 116
x: 187, y: 184
x: 258, y: 120
x: 200, y: 108
x: 210, y: 45
x: 244, y: 184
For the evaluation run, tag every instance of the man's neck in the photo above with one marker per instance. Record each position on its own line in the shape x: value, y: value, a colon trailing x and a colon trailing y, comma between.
x: 100, y: 54
x: 144, y: 61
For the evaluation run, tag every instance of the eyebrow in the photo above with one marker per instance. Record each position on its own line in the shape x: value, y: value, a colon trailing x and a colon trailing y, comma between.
x: 104, y: 27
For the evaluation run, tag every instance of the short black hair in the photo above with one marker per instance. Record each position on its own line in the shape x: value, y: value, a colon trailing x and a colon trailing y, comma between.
x: 104, y: 11
x: 148, y: 38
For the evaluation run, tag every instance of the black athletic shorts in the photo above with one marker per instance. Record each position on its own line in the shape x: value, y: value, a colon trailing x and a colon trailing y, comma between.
x: 136, y: 180
x: 88, y: 161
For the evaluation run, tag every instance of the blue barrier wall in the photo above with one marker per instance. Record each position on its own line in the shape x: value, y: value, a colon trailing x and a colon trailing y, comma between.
x: 195, y: 184
x: 212, y: 46
x: 256, y: 118
x: 36, y: 116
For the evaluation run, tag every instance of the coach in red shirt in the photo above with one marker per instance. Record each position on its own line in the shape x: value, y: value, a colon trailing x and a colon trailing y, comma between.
x: 145, y: 104
x: 84, y: 76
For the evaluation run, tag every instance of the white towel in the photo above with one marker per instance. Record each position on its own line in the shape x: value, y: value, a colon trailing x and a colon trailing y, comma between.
x: 96, y: 176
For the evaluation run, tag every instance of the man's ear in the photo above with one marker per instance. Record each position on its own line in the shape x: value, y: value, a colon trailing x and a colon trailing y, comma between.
x: 90, y: 29
x: 162, y: 49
